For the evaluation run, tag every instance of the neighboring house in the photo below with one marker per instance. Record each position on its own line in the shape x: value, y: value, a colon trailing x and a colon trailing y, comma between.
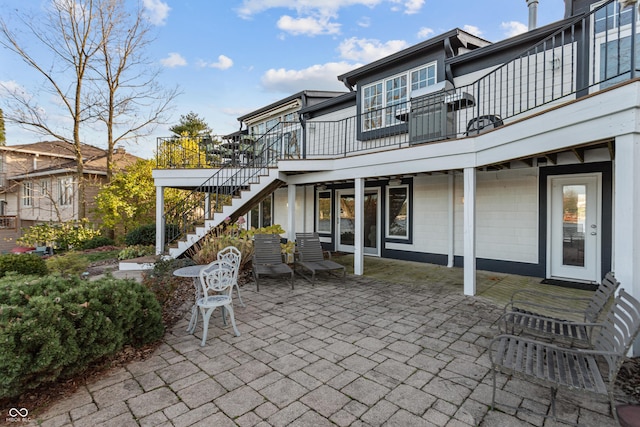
x: 38, y: 184
x: 518, y: 156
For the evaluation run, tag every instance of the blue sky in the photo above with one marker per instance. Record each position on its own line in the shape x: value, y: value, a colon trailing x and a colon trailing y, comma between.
x: 230, y: 57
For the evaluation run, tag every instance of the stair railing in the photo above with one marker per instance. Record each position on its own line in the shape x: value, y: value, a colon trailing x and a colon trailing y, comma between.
x: 252, y: 162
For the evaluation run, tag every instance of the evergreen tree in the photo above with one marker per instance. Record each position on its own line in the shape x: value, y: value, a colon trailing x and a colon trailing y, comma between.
x: 191, y: 125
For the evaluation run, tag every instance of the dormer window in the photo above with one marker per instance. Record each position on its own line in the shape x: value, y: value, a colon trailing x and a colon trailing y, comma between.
x: 380, y: 99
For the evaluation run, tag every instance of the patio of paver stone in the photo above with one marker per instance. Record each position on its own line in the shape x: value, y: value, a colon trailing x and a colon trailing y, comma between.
x: 353, y: 351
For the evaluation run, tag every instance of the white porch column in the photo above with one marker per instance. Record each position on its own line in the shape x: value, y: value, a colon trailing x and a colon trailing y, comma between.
x: 159, y: 220
x: 469, y: 231
x: 451, y: 205
x: 626, y: 211
x: 358, y: 255
x: 291, y: 217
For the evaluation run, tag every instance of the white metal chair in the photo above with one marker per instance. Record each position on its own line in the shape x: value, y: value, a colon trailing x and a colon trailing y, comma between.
x: 233, y: 256
x: 217, y: 282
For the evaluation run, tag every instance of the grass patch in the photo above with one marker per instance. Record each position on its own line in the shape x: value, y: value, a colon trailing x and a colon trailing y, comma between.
x: 101, y: 256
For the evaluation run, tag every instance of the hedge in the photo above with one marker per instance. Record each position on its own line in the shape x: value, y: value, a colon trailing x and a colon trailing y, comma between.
x: 52, y: 327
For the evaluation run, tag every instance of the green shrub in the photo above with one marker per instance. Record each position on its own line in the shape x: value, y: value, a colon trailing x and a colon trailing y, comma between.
x: 23, y: 264
x: 52, y: 328
x: 62, y: 236
x: 136, y: 251
x: 146, y: 234
x: 161, y: 281
x: 143, y: 235
x: 97, y: 242
x: 67, y: 265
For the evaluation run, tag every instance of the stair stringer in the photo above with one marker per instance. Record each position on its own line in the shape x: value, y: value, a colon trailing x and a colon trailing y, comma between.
x: 240, y: 204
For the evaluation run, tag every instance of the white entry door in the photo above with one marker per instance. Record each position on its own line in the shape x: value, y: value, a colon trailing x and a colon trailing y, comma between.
x: 574, y: 233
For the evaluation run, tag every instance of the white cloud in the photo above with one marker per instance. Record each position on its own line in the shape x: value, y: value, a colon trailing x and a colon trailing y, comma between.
x: 156, y: 11
x: 11, y: 87
x: 304, y: 7
x: 174, y: 60
x: 308, y: 26
x: 513, y: 28
x: 472, y: 29
x: 364, y: 22
x: 318, y: 77
x: 224, y: 62
x: 410, y: 6
x: 368, y: 50
x: 425, y: 32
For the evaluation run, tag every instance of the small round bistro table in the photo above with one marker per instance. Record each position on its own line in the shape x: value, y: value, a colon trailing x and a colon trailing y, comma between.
x: 192, y: 271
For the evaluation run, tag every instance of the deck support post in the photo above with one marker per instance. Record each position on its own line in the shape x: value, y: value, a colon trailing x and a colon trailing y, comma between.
x: 358, y: 256
x: 291, y: 217
x: 626, y: 211
x: 469, y: 231
x: 160, y: 226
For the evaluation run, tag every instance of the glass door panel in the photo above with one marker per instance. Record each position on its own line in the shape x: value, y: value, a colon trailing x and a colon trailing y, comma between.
x: 347, y: 219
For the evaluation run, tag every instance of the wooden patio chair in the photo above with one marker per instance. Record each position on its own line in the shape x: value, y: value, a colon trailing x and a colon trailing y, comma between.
x: 311, y: 257
x: 588, y: 371
x: 267, y: 258
x: 524, y: 315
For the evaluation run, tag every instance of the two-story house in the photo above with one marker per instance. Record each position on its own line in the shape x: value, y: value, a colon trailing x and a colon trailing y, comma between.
x: 38, y: 184
x: 517, y: 156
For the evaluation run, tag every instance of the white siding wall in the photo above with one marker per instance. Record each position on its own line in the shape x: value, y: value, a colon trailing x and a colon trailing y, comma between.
x: 305, y: 208
x: 280, y: 215
x: 430, y: 215
x: 506, y: 215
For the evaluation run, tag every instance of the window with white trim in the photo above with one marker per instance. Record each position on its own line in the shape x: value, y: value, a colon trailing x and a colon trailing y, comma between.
x: 398, y: 212
x: 390, y: 92
x: 323, y: 213
x: 27, y: 193
x: 65, y: 191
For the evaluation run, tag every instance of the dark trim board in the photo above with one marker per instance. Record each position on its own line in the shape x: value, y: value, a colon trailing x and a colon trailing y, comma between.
x: 506, y: 267
x: 606, y: 169
x: 572, y: 285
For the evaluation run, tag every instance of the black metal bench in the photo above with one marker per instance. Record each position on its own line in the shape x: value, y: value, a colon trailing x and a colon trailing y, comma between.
x: 526, y: 314
x: 590, y: 371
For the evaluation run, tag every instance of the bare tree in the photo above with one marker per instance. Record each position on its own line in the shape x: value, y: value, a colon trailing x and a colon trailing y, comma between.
x: 128, y: 99
x: 90, y: 54
x: 70, y: 44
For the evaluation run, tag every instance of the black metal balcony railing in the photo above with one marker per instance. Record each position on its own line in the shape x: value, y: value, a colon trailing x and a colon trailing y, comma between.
x: 248, y: 161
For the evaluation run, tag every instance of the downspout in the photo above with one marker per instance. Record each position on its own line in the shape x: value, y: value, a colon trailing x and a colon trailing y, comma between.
x: 451, y: 206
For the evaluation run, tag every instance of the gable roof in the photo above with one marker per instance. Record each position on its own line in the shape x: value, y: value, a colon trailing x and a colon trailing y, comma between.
x: 94, y: 158
x: 304, y: 96
x: 454, y: 41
